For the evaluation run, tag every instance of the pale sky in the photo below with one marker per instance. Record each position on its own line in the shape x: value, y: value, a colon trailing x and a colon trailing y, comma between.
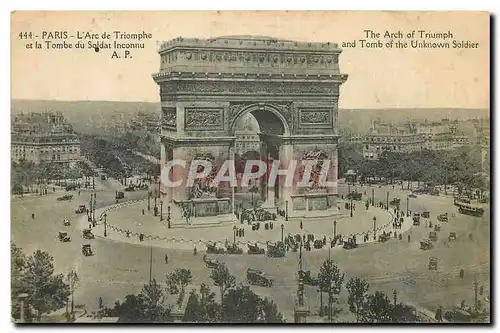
x: 389, y: 78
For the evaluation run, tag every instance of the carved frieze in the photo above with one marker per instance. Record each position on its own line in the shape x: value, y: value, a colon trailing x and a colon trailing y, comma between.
x: 315, y: 116
x: 169, y: 117
x: 262, y: 88
x: 204, y: 119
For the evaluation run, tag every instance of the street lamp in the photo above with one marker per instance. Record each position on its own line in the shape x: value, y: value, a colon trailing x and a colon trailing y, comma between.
x: 168, y: 216
x: 374, y: 228
x: 387, y: 200
x: 282, y: 227
x: 161, y: 210
x: 105, y: 222
x: 286, y: 210
x: 373, y: 197
x: 234, y: 234
x: 395, y: 296
x: 149, y: 201
x: 334, y: 229
x: 22, y: 297
x: 407, y: 205
x: 351, y: 205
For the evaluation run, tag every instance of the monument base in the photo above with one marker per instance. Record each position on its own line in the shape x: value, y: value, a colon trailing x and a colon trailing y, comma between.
x: 201, y: 212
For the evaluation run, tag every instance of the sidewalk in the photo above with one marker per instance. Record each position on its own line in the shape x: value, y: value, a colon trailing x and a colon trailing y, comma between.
x: 157, y: 233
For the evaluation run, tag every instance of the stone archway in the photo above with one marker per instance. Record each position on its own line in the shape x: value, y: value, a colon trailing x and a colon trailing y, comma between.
x: 291, y: 88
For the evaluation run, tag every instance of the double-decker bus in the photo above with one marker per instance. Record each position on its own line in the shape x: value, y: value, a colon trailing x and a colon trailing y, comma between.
x: 468, y: 209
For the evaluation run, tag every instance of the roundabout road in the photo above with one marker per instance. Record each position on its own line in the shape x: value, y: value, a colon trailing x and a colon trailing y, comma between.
x: 120, y: 268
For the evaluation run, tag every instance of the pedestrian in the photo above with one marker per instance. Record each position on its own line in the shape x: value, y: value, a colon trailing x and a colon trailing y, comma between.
x: 439, y: 314
x: 301, y: 226
x: 90, y: 225
x: 166, y: 258
x: 195, y: 251
x: 462, y: 273
x: 32, y: 216
x: 143, y: 211
x: 408, y: 238
x: 78, y: 193
x: 393, y: 225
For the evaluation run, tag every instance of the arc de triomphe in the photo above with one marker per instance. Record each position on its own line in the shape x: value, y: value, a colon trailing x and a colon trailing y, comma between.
x: 291, y: 88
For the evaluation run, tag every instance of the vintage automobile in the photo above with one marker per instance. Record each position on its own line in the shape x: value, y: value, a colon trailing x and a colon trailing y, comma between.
x: 350, y: 244
x: 276, y: 250
x: 426, y: 244
x: 63, y: 237
x: 452, y: 236
x: 70, y: 187
x: 384, y: 237
x: 210, y: 263
x: 437, y: 227
x: 354, y: 196
x: 307, y: 279
x: 433, y: 263
x: 412, y: 195
x: 233, y: 249
x: 87, y: 234
x: 65, y: 197
x: 66, y: 222
x: 443, y: 217
x: 395, y: 202
x: 87, y: 250
x: 256, y: 277
x: 416, y: 221
x: 426, y: 215
x: 120, y: 195
x: 433, y: 236
x: 81, y: 209
x: 255, y: 249
x: 103, y: 177
x: 129, y: 188
x: 212, y: 248
x: 318, y: 244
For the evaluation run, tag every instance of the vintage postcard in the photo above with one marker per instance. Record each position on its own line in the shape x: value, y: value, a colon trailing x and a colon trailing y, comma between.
x: 250, y: 167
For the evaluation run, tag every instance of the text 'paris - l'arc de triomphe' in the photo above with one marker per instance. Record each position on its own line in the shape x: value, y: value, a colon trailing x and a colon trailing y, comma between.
x: 292, y: 90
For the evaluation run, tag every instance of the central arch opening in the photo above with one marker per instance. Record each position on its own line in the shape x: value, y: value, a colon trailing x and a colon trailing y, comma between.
x: 252, y: 128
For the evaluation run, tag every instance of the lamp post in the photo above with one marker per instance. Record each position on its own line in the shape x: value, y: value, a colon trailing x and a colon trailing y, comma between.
x: 282, y: 227
x: 234, y: 234
x: 286, y: 210
x: 374, y: 228
x: 93, y: 182
x: 93, y: 210
x: 387, y: 200
x: 168, y: 216
x: 149, y: 201
x: 395, y: 296
x: 334, y: 229
x: 351, y: 205
x: 22, y: 297
x: 105, y: 222
x: 373, y: 197
x: 161, y: 210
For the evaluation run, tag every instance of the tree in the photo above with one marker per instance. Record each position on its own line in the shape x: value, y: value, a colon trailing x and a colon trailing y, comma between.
x: 178, y: 280
x: 330, y: 280
x: 46, y: 292
x: 357, y: 289
x: 242, y: 305
x: 153, y: 301
x: 202, y: 308
x: 379, y: 309
x: 73, y: 280
x: 223, y: 279
x: 17, y: 266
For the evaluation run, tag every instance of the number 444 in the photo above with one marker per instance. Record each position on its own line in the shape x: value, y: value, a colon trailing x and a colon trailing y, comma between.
x: 25, y: 35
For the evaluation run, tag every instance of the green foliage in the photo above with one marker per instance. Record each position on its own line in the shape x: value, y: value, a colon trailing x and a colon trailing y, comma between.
x: 35, y: 276
x: 146, y: 307
x: 330, y: 280
x: 202, y: 308
x: 223, y: 279
x: 357, y: 300
x: 178, y: 280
